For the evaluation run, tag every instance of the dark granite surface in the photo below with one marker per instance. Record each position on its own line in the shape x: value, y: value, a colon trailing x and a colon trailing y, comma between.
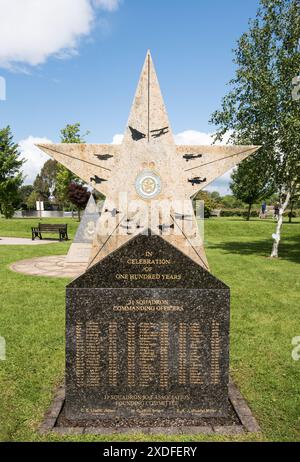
x: 140, y: 348
x: 149, y: 421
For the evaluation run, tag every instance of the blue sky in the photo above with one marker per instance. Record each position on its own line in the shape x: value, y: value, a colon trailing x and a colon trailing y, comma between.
x: 80, y: 60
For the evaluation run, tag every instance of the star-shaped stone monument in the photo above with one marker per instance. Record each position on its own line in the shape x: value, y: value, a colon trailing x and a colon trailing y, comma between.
x: 148, y: 180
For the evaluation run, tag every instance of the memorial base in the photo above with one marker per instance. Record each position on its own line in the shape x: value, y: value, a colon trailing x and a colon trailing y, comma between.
x: 240, y: 420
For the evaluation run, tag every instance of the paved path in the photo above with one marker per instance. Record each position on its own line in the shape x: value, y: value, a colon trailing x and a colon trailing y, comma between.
x: 53, y: 266
x: 25, y: 241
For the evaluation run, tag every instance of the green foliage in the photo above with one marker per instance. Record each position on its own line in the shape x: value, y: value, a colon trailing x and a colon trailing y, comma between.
x: 295, y: 213
x: 249, y: 184
x: 10, y: 176
x: 215, y: 195
x: 260, y: 109
x: 230, y: 202
x: 238, y: 213
x: 69, y: 134
x: 45, y: 180
x: 295, y: 201
x: 230, y: 206
x: 32, y: 199
x: 209, y: 202
x: 63, y: 178
x: 25, y: 191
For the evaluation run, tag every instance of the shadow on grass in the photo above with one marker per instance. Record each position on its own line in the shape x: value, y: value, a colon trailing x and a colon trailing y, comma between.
x: 289, y: 248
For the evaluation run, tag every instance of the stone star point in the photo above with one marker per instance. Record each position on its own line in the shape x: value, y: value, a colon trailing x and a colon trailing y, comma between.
x: 148, y: 167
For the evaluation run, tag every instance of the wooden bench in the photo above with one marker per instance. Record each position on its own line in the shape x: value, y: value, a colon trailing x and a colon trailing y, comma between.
x: 61, y: 229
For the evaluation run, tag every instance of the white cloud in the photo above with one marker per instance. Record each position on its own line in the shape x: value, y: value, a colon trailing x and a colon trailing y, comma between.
x: 33, y: 30
x: 195, y: 137
x: 117, y: 139
x: 109, y: 5
x: 35, y: 158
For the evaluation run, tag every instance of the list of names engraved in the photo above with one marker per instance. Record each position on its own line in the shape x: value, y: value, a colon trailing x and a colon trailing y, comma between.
x: 164, y: 354
x: 112, y: 353
x: 80, y: 354
x: 147, y: 350
x: 148, y: 336
x: 215, y: 353
x: 195, y: 354
x: 131, y: 354
x: 182, y: 355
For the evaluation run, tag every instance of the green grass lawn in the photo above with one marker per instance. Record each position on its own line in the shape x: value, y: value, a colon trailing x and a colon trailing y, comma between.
x: 21, y: 227
x: 265, y: 303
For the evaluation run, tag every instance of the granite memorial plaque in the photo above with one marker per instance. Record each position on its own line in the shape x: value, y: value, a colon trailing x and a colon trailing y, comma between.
x: 147, y: 334
x: 147, y: 324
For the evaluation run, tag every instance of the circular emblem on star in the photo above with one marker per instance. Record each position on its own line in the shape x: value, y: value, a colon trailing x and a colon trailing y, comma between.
x: 148, y: 184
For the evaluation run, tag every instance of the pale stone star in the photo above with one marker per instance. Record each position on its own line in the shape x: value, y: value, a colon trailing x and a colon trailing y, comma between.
x: 151, y: 169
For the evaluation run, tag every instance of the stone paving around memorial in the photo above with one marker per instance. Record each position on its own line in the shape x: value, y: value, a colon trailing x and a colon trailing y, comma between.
x: 50, y: 266
x: 25, y: 241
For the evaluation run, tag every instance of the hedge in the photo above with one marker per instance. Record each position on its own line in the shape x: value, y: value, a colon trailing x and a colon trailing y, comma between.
x: 238, y: 213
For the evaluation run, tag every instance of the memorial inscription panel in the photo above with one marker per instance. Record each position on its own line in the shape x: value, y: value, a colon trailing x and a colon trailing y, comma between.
x: 147, y: 334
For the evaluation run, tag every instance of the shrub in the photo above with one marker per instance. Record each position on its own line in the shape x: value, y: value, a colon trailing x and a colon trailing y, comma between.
x: 238, y: 213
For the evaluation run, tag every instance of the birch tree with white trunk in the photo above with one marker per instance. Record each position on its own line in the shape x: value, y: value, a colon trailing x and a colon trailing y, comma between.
x: 261, y: 107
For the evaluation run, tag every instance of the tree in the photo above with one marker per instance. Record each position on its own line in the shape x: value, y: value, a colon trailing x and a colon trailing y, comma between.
x: 11, y: 178
x: 209, y: 202
x: 45, y: 181
x: 295, y: 201
x: 25, y: 192
x: 259, y: 108
x: 250, y: 185
x: 215, y: 195
x: 69, y: 134
x: 78, y: 195
x: 32, y: 199
x: 231, y: 202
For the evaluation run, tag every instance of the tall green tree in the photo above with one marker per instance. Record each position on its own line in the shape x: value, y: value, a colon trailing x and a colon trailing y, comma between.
x: 209, y: 202
x: 25, y: 191
x: 249, y: 184
x: 11, y: 178
x: 295, y: 201
x: 70, y: 134
x: 259, y: 109
x: 45, y: 181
